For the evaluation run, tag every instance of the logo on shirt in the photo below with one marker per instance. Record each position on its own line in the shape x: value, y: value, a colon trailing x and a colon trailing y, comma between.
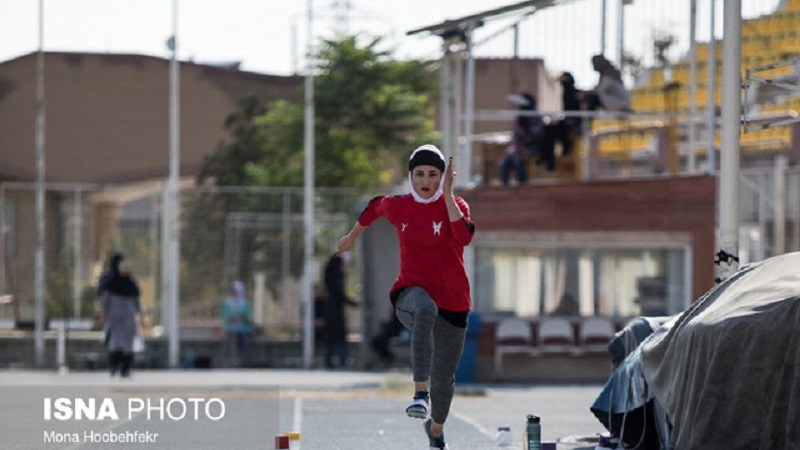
x: 437, y: 228
x: 404, y: 227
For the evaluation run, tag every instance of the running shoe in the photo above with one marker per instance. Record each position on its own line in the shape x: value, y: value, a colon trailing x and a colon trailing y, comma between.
x: 436, y: 443
x: 418, y: 408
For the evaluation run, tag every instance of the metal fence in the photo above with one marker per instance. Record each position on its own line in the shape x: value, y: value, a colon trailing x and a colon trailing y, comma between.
x: 250, y: 234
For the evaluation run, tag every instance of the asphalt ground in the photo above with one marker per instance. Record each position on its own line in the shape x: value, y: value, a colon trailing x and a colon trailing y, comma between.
x: 329, y: 409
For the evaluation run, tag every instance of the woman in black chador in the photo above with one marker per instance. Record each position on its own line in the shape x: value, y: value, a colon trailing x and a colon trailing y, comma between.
x: 119, y: 297
x: 335, y: 322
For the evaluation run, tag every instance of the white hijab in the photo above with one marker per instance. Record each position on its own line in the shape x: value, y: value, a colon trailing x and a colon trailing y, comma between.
x: 440, y: 189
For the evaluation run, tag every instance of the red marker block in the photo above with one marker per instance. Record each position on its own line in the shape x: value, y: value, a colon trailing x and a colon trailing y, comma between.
x: 281, y: 442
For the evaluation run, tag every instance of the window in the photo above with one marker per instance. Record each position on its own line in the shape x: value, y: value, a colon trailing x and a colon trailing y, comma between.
x: 606, y: 281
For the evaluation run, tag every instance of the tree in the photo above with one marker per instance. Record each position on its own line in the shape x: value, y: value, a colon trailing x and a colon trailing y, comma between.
x: 369, y: 109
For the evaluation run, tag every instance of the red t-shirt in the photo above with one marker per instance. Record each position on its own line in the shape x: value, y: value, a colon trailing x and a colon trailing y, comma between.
x: 431, y: 246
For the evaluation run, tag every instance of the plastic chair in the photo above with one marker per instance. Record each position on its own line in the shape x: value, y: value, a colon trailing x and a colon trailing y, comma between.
x: 595, y: 333
x: 556, y: 335
x: 513, y: 335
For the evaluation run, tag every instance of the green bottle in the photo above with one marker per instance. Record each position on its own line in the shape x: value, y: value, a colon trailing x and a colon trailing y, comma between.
x: 533, y: 433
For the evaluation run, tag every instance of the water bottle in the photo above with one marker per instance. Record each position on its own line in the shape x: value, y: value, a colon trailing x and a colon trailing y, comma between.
x: 503, y: 437
x: 533, y: 433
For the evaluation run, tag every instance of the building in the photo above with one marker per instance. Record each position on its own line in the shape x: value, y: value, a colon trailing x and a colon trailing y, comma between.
x: 107, y: 145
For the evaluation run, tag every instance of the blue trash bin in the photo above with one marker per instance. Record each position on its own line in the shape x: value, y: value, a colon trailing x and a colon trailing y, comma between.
x: 465, y: 373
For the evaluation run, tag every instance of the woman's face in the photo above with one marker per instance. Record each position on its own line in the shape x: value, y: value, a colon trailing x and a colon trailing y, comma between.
x: 425, y: 180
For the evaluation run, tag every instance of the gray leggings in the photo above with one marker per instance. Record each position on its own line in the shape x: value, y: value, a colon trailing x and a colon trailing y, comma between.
x: 436, y: 347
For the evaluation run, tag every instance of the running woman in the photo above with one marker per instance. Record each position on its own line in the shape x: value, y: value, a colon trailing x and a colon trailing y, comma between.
x: 431, y: 296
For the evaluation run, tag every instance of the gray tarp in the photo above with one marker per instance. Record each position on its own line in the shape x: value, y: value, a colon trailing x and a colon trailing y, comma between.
x: 624, y: 406
x: 727, y: 372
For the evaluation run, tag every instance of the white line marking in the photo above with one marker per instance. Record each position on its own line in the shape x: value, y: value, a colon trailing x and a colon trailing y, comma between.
x: 298, y: 414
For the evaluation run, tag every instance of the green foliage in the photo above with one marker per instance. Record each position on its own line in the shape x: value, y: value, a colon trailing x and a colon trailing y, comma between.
x: 369, y: 110
x: 60, y: 297
x: 228, y: 164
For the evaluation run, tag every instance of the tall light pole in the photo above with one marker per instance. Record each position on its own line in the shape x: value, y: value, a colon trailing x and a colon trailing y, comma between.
x: 727, y: 256
x: 39, y: 278
x: 711, y: 89
x: 170, y: 273
x: 308, y: 200
x: 602, y: 27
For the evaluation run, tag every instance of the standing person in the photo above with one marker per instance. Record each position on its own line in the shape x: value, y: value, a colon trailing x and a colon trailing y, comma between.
x: 564, y: 129
x: 526, y: 140
x: 237, y: 325
x: 567, y: 306
x: 335, y: 321
x: 610, y: 92
x: 319, y: 314
x: 120, y: 305
x: 431, y: 295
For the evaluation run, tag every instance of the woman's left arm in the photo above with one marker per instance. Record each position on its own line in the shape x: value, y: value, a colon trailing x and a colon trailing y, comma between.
x: 460, y: 223
x: 449, y: 199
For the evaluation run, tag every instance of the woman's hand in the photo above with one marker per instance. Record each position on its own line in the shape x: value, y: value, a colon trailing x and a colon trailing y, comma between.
x: 449, y: 175
x: 345, y: 243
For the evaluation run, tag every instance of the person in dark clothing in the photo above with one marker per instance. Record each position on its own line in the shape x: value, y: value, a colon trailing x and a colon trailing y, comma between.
x: 380, y: 342
x: 570, y: 127
x: 319, y: 314
x: 335, y: 321
x: 119, y: 297
x: 526, y: 140
x: 563, y: 129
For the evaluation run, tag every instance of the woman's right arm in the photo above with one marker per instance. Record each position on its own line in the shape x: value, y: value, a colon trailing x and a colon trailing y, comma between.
x: 374, y: 209
x: 346, y: 242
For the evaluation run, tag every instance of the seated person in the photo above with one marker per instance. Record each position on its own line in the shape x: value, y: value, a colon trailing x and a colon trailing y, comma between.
x: 563, y: 129
x: 567, y: 306
x: 527, y: 136
x: 610, y: 93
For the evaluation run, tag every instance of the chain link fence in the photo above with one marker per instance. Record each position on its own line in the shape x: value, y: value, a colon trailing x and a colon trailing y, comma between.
x: 250, y: 234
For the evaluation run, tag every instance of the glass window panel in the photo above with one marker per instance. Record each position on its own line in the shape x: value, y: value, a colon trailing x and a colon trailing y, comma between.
x: 627, y: 282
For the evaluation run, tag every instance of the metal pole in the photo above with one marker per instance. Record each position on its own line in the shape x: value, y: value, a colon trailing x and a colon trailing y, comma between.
x: 154, y: 258
x: 61, y: 347
x: 286, y: 254
x: 603, y: 28
x: 621, y: 35
x: 172, y: 272
x: 39, y: 286
x: 165, y: 256
x: 711, y: 107
x: 730, y: 130
x: 691, y: 162
x: 3, y: 268
x: 308, y: 200
x: 293, y: 44
x: 77, y: 236
x: 448, y: 98
x: 464, y: 163
x: 779, y: 204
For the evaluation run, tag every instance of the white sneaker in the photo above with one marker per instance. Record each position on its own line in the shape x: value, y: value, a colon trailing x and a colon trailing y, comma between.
x: 418, y: 409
